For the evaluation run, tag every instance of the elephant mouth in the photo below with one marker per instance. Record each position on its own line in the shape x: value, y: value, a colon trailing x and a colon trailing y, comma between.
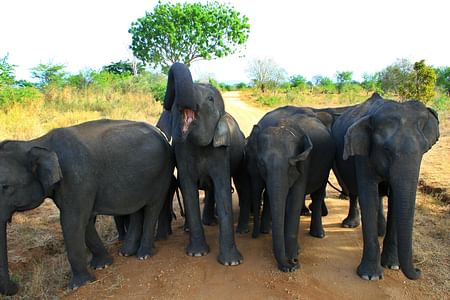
x: 188, y: 118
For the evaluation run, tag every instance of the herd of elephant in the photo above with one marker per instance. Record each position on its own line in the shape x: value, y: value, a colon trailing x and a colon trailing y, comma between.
x: 125, y: 169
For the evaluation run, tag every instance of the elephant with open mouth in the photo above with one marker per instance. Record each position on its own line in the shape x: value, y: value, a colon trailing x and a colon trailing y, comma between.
x: 99, y: 167
x: 381, y: 142
x: 209, y: 149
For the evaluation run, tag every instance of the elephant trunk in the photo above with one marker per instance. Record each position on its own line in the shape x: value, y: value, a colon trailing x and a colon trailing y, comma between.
x: 403, y: 194
x: 180, y: 88
x: 277, y: 191
x: 7, y: 287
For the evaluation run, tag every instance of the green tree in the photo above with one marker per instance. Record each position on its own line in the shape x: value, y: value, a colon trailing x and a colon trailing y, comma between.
x: 443, y: 79
x: 7, y: 77
x: 265, y: 73
x: 394, y: 77
x: 187, y: 32
x: 370, y: 82
x: 124, y: 67
x: 49, y: 74
x: 324, y: 84
x: 298, y: 81
x: 343, y: 79
x: 420, y: 84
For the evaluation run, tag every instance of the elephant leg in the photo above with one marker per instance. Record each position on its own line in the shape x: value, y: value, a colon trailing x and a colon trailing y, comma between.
x: 209, y: 208
x: 134, y: 234
x: 353, y: 218
x: 381, y: 220
x: 389, y: 256
x: 265, y: 216
x: 100, y: 256
x: 370, y: 266
x: 74, y: 225
x: 316, y: 227
x: 147, y: 247
x: 228, y: 253
x: 242, y: 182
x: 197, y: 244
x: 122, y: 223
x: 257, y: 186
x: 164, y: 228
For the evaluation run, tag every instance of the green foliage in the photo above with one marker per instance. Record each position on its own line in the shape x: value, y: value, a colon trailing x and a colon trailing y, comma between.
x: 371, y: 82
x: 187, y: 32
x: 324, y: 84
x: 49, y: 74
x: 299, y: 82
x: 343, y: 80
x: 124, y: 67
x: 393, y: 79
x: 269, y: 100
x: 7, y: 77
x: 420, y: 84
x: 443, y: 79
x: 441, y: 103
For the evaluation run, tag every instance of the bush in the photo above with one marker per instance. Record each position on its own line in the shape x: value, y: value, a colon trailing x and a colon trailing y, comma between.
x: 269, y: 100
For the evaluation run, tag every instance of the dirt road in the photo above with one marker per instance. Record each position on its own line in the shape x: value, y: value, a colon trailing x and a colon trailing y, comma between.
x: 327, y: 265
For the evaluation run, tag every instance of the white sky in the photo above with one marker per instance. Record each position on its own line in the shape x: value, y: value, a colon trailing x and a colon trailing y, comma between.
x: 313, y: 37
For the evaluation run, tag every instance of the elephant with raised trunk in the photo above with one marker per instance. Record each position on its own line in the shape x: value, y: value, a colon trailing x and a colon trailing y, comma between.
x: 290, y: 153
x: 209, y: 149
x: 99, y: 167
x: 381, y: 141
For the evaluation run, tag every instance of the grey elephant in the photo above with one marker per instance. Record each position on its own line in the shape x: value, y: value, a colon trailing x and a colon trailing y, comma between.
x: 209, y: 148
x: 98, y: 167
x: 290, y: 154
x: 383, y: 141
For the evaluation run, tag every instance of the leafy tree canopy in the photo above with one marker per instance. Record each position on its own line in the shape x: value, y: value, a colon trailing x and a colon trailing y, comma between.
x: 342, y: 79
x: 124, y: 67
x: 49, y: 73
x: 187, y: 32
x: 443, y: 78
x: 7, y: 76
x: 421, y: 83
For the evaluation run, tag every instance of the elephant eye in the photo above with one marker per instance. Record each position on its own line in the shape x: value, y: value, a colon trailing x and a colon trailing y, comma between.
x: 210, y: 98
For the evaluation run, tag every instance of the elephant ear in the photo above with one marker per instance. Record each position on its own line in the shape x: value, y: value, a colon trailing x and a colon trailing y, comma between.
x: 165, y: 124
x: 357, y: 138
x: 222, y: 135
x: 326, y: 118
x: 45, y: 165
x: 431, y: 128
x: 300, y: 158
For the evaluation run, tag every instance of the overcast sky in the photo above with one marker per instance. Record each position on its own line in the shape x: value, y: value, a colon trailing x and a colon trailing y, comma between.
x: 309, y: 38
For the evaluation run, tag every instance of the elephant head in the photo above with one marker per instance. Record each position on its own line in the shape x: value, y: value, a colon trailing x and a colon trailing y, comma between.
x: 393, y: 137
x: 193, y: 111
x: 26, y: 178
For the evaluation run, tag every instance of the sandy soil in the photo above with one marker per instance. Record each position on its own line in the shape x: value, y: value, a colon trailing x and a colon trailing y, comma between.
x: 327, y: 265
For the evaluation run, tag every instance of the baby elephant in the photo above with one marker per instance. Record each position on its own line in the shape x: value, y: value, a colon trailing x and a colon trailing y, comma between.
x: 99, y: 167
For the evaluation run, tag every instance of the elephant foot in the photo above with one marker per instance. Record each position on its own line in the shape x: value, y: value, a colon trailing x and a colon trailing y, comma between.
x: 265, y: 228
x: 351, y: 222
x: 289, y: 266
x: 100, y: 262
x: 305, y: 211
x: 390, y: 261
x: 8, y: 288
x: 128, y: 249
x: 370, y: 272
x: 80, y: 280
x: 231, y: 258
x: 242, y: 229
x: 198, y: 249
x: 318, y: 233
x: 145, y: 252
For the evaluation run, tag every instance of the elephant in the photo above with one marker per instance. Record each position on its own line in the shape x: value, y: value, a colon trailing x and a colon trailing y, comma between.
x: 381, y: 141
x: 209, y: 149
x: 108, y: 167
x: 290, y: 153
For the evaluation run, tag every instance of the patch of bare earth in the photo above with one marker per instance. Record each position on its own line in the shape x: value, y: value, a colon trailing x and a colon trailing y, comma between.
x: 328, y: 266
